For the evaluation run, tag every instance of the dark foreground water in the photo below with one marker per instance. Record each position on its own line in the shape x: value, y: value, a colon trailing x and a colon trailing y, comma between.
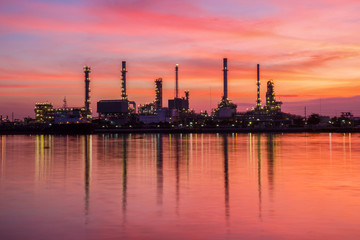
x: 193, y: 186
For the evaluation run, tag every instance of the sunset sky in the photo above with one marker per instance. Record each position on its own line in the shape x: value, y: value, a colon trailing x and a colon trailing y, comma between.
x: 311, y: 49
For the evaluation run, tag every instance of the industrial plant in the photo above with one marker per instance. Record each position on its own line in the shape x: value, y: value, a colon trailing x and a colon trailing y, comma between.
x: 226, y: 109
x: 45, y: 113
x: 118, y: 110
x: 122, y: 114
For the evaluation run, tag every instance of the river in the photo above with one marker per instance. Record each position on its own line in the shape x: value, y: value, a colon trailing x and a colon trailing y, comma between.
x: 180, y: 186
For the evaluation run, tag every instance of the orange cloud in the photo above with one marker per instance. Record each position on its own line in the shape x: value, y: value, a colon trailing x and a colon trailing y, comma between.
x: 309, y: 48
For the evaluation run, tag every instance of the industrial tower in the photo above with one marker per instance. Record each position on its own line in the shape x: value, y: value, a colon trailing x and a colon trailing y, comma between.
x: 118, y: 109
x: 225, y: 78
x: 177, y: 81
x: 258, y: 99
x: 87, y: 70
x: 158, y: 93
x: 225, y: 109
x: 123, y: 81
x: 180, y: 104
x: 271, y: 104
x: 155, y: 106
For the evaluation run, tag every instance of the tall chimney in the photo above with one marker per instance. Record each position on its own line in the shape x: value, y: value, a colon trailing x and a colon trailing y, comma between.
x: 225, y: 78
x: 123, y: 80
x: 87, y: 70
x: 258, y: 101
x: 158, y: 93
x: 177, y: 81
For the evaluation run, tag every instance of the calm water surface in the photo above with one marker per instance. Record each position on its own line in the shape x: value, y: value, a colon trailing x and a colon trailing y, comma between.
x: 189, y: 186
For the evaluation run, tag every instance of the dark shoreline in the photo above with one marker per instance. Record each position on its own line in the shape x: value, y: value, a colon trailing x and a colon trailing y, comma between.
x: 231, y: 130
x: 89, y: 129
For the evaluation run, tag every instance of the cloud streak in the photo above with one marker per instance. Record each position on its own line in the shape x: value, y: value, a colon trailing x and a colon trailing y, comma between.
x: 310, y: 49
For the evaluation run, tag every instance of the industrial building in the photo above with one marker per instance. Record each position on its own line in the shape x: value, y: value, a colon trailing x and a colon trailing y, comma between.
x: 180, y: 104
x: 154, y: 112
x: 225, y: 109
x: 44, y: 112
x: 112, y: 108
x: 178, y: 108
x: 270, y: 115
x: 117, y: 110
x: 66, y: 115
x: 271, y: 104
x: 75, y: 115
x: 122, y: 112
x: 156, y: 105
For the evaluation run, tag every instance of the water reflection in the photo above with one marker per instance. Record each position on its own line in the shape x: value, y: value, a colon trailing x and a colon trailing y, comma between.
x: 226, y: 175
x: 350, y: 152
x: 124, y: 174
x: 260, y: 148
x: 270, y: 140
x: 259, y: 175
x: 330, y: 147
x: 159, y: 168
x: 3, y: 155
x: 205, y: 186
x: 44, y: 145
x: 271, y: 162
x: 177, y: 170
x: 88, y: 161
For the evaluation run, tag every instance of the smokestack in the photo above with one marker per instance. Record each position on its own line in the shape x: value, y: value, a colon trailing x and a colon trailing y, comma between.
x: 177, y: 81
x: 187, y: 100
x: 258, y: 101
x: 123, y: 80
x: 225, y: 78
x: 87, y: 70
x: 158, y: 93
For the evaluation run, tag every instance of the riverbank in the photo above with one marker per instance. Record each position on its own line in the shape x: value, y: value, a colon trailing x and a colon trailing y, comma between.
x: 69, y: 129
x: 227, y: 130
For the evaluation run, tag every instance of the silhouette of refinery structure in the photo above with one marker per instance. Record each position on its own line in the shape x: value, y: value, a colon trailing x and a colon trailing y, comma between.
x: 118, y: 109
x: 225, y: 109
x: 154, y: 112
x: 124, y: 113
x: 45, y: 113
x: 269, y: 115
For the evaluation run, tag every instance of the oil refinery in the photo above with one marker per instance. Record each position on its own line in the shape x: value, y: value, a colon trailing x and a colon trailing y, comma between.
x: 122, y: 114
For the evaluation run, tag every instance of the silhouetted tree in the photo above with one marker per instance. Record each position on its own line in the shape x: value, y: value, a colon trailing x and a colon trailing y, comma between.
x: 314, y: 119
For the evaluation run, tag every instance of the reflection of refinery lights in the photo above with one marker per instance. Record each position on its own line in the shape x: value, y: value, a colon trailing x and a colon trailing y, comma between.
x: 43, y: 155
x: 88, y: 148
x: 87, y: 153
x: 3, y: 154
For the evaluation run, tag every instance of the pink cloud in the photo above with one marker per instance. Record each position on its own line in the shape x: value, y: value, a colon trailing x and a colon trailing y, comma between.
x: 309, y: 48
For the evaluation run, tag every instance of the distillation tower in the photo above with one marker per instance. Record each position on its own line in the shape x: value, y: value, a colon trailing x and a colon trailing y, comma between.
x: 225, y: 109
x: 158, y: 93
x: 87, y: 71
